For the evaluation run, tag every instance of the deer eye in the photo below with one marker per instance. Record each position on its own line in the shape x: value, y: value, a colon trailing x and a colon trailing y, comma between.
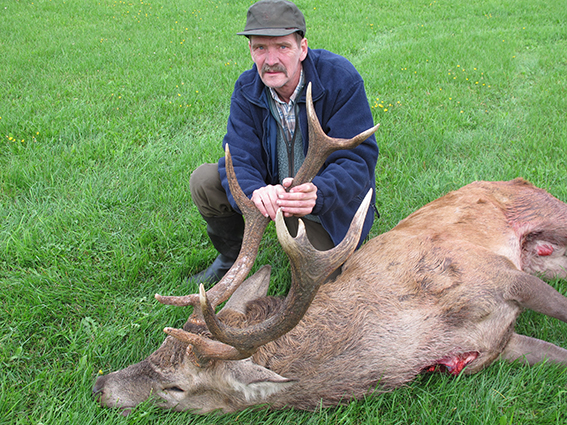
x: 175, y: 389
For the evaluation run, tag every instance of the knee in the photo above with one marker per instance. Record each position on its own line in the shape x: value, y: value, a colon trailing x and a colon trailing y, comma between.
x: 202, y: 179
x: 207, y: 192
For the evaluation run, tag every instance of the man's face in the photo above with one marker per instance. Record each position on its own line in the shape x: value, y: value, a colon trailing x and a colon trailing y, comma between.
x: 278, y: 60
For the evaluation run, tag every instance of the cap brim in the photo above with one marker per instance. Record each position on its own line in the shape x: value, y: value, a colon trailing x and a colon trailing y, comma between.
x: 270, y: 32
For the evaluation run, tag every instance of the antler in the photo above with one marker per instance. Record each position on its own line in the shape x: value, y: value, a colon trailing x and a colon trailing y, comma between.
x: 300, y: 296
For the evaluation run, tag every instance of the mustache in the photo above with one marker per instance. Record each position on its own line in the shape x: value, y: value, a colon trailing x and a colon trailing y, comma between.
x: 274, y: 68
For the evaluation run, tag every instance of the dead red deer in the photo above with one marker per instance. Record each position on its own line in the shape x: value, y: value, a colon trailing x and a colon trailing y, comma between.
x: 442, y: 290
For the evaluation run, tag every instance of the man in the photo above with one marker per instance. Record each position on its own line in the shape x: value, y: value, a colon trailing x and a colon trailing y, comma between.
x: 268, y: 138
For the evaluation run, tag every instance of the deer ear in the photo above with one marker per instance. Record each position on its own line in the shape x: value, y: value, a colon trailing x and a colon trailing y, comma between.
x: 255, y: 381
x: 256, y: 286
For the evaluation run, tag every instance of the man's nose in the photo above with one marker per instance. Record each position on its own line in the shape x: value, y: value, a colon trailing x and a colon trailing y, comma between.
x: 272, y: 57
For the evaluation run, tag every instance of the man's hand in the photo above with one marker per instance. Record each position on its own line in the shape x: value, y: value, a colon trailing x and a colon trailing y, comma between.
x: 298, y: 202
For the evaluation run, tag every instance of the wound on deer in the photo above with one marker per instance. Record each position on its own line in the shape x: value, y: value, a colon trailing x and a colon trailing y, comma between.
x: 544, y: 250
x: 454, y: 364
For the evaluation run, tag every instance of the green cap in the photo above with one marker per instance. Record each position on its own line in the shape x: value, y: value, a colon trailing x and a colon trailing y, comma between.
x: 274, y: 18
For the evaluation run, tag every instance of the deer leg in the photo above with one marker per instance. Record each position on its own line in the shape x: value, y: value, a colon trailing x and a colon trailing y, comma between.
x: 532, y: 351
x: 533, y: 293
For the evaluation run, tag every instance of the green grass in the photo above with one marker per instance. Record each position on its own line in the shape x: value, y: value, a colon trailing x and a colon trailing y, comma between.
x: 108, y: 106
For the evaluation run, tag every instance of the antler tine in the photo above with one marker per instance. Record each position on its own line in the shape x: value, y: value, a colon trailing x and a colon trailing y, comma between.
x: 309, y: 269
x: 321, y: 145
x: 204, y: 349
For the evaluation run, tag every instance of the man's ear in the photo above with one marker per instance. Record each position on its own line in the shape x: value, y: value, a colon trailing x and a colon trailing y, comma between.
x: 304, y: 47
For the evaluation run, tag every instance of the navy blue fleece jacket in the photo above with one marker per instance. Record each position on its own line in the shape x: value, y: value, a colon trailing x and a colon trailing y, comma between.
x: 342, y: 108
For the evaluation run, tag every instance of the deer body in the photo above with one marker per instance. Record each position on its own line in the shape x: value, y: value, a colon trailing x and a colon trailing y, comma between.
x: 440, y: 291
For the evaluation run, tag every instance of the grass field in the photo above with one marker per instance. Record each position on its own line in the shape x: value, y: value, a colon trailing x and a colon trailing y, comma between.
x: 107, y: 107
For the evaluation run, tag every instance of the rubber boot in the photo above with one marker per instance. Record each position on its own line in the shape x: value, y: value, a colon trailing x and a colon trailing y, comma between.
x: 226, y: 235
